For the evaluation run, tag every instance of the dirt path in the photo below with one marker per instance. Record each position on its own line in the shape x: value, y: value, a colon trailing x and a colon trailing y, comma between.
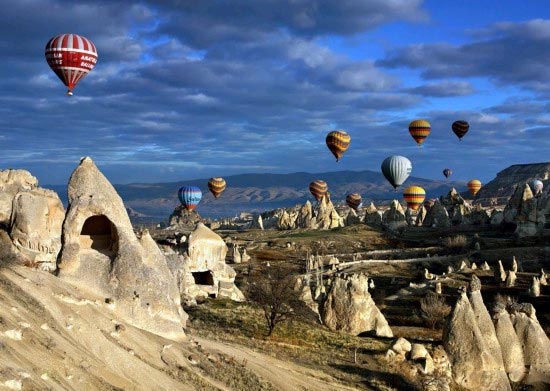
x: 284, y: 375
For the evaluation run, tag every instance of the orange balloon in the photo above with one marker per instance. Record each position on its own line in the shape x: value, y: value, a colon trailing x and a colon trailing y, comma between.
x: 414, y: 196
x: 474, y: 185
x: 216, y: 186
x: 318, y: 188
x: 338, y: 142
x: 419, y: 130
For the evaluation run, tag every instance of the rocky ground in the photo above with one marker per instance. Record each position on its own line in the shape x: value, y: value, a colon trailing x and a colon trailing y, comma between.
x: 54, y: 336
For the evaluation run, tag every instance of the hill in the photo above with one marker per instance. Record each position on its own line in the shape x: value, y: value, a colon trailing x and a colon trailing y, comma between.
x: 261, y: 192
x: 506, y: 180
x: 153, y: 202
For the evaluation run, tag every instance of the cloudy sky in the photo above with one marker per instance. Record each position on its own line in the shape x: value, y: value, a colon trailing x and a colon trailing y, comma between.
x: 189, y: 89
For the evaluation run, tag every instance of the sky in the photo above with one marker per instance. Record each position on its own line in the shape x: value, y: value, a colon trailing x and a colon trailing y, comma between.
x: 194, y: 89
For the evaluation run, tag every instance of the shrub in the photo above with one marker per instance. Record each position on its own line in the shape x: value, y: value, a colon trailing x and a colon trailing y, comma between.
x: 433, y: 309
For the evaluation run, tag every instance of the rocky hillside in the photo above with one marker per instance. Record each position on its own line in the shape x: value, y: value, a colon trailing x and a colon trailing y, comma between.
x: 506, y: 180
x: 56, y: 336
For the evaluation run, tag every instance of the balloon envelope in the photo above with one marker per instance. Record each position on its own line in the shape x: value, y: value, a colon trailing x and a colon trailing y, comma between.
x: 318, y: 189
x: 338, y: 142
x: 414, y: 196
x: 474, y: 185
x: 190, y: 196
x: 536, y: 186
x: 353, y: 200
x: 447, y: 172
x: 460, y: 128
x: 71, y: 57
x: 396, y: 169
x: 216, y: 186
x: 419, y: 130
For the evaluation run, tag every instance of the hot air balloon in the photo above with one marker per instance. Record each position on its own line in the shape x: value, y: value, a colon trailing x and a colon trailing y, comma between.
x: 460, y: 128
x: 71, y: 57
x: 536, y: 186
x: 419, y: 130
x: 318, y: 188
x: 338, y: 142
x: 190, y: 196
x: 353, y: 200
x: 396, y: 169
x: 474, y: 185
x: 447, y: 172
x: 414, y: 196
x: 216, y: 186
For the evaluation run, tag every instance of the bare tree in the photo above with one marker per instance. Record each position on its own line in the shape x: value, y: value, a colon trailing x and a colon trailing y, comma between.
x: 274, y: 289
x: 433, y: 309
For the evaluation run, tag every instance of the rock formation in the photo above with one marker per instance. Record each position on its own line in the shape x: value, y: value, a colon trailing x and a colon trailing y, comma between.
x: 257, y: 222
x: 536, y: 345
x: 202, y: 269
x: 349, y: 307
x: 372, y: 216
x: 399, y: 350
x: 542, y: 278
x: 394, y: 217
x: 473, y: 366
x: 512, y: 352
x: 35, y: 226
x: 322, y: 216
x: 510, y: 278
x: 184, y: 218
x: 437, y: 216
x: 11, y: 183
x: 327, y: 216
x: 485, y: 324
x: 526, y: 211
x: 500, y: 273
x: 101, y: 253
x: 352, y: 218
x: 534, y: 290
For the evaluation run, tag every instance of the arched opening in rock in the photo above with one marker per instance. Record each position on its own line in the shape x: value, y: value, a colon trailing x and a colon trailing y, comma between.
x: 99, y: 233
x: 203, y: 278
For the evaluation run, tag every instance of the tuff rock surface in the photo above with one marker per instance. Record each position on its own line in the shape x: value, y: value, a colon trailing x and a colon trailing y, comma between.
x: 101, y: 253
x: 349, y: 307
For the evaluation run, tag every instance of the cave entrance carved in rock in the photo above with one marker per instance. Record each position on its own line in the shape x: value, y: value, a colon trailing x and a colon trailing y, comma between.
x: 203, y: 278
x: 99, y: 233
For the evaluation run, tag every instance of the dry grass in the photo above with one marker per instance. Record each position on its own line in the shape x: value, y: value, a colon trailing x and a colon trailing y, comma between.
x: 302, y: 342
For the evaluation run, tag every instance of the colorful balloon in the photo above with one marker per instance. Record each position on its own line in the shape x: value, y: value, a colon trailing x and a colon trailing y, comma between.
x: 474, y: 185
x: 414, y: 196
x: 396, y: 169
x: 216, y: 186
x: 318, y: 188
x: 536, y: 186
x: 338, y: 142
x: 190, y: 196
x: 419, y: 130
x: 460, y: 128
x: 71, y: 57
x: 447, y: 172
x: 353, y: 200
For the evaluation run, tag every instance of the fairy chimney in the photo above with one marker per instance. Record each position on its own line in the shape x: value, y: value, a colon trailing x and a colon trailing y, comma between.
x: 101, y: 253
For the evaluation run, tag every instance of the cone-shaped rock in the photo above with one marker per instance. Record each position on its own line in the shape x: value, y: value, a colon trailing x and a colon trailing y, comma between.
x: 101, y: 253
x: 472, y: 365
x: 487, y: 328
x: 349, y: 307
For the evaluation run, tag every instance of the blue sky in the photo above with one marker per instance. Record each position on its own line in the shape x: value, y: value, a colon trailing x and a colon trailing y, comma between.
x: 187, y: 89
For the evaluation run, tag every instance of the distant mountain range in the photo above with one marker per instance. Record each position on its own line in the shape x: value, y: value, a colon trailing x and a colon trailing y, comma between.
x: 262, y: 192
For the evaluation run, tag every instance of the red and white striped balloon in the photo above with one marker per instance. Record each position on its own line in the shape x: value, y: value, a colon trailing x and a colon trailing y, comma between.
x: 71, y: 57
